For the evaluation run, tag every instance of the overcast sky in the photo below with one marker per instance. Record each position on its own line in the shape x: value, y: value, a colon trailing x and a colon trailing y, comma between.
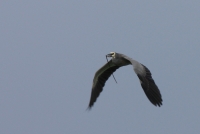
x: 50, y: 51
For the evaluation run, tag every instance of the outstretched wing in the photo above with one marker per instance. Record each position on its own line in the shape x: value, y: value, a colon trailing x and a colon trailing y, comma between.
x: 100, y: 78
x: 149, y: 86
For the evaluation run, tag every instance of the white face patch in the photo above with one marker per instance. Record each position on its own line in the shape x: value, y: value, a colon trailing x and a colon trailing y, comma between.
x: 113, y: 54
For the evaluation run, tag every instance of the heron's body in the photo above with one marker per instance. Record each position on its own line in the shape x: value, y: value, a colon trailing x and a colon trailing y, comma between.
x: 118, y: 60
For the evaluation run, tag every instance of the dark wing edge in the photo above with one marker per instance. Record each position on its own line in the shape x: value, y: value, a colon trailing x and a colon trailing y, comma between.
x: 98, y: 87
x: 150, y: 88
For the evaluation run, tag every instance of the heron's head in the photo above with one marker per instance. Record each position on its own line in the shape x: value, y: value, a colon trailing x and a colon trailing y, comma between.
x: 111, y: 54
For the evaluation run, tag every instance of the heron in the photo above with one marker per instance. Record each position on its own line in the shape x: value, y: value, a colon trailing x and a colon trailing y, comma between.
x: 118, y: 60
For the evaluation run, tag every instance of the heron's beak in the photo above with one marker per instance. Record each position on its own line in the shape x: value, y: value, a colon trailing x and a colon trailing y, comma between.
x: 109, y: 55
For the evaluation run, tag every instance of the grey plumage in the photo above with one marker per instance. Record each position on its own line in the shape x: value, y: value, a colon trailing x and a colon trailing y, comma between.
x: 118, y: 60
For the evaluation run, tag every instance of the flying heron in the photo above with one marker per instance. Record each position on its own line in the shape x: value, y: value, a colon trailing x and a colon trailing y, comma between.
x: 118, y: 60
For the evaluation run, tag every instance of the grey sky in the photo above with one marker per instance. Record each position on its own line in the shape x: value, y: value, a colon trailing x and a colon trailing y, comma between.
x: 50, y: 50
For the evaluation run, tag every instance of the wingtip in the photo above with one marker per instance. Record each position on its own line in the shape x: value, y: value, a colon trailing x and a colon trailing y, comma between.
x: 159, y: 104
x: 88, y: 108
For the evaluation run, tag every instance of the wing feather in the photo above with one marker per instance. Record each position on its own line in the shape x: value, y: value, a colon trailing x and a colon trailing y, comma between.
x: 100, y: 78
x: 149, y: 86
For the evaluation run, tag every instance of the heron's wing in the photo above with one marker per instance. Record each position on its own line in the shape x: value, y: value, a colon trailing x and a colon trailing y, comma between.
x: 149, y: 86
x: 100, y: 78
